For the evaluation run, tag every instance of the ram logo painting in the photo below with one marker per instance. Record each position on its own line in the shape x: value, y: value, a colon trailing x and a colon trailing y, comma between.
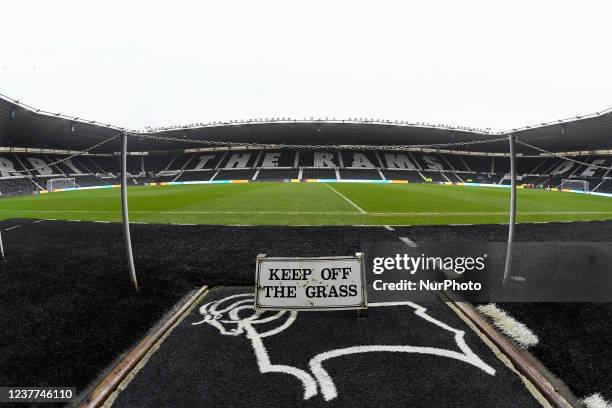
x: 236, y: 316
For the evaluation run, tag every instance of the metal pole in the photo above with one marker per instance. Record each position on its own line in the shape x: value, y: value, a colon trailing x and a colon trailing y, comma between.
x: 125, y: 212
x: 512, y: 209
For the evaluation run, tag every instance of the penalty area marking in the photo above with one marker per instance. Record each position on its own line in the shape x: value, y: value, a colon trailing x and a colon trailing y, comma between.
x: 361, y: 210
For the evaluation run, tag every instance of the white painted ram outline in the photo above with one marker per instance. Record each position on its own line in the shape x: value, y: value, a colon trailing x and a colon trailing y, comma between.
x: 223, y: 314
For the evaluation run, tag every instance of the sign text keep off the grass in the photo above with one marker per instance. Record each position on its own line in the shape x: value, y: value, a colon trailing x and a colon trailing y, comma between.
x: 310, y: 283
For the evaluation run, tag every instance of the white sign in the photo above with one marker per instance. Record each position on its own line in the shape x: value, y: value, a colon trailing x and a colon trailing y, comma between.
x: 310, y: 283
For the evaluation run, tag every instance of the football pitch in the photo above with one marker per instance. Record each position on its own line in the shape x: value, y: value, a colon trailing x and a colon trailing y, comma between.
x: 311, y: 204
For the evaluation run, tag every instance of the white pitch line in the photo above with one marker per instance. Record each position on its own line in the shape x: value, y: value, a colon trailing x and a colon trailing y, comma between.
x: 11, y: 228
x: 375, y: 214
x: 36, y: 222
x: 408, y: 242
x: 389, y: 228
x: 361, y: 210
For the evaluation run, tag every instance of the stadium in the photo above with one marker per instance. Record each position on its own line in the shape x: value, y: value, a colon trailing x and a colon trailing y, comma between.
x: 568, y: 155
x: 205, y: 199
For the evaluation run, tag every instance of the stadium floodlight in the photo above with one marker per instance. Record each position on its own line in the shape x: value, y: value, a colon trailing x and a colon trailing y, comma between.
x: 61, y: 184
x: 575, y: 185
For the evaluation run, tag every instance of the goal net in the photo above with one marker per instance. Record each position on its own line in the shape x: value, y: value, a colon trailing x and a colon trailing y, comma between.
x: 60, y: 184
x: 575, y: 185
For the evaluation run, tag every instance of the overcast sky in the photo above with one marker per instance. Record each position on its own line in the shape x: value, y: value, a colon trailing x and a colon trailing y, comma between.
x: 497, y: 64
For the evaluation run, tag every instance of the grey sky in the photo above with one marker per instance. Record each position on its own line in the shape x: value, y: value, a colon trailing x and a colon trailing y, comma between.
x: 497, y: 64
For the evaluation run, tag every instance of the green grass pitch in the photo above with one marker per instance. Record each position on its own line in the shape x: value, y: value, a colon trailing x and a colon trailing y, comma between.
x: 311, y: 204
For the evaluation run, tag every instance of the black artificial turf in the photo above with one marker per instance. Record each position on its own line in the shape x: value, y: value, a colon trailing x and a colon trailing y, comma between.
x: 67, y: 309
x: 575, y: 338
x: 575, y: 342
x: 591, y: 231
x: 198, y: 366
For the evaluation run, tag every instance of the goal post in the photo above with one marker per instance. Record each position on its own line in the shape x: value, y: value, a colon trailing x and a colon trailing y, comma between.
x: 575, y: 185
x: 60, y: 184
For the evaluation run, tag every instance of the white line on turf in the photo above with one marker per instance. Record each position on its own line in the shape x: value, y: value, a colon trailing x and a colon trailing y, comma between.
x: 512, y: 328
x: 376, y: 214
x: 361, y: 210
x: 389, y: 228
x: 596, y: 401
x: 37, y: 221
x: 12, y: 228
x: 408, y: 242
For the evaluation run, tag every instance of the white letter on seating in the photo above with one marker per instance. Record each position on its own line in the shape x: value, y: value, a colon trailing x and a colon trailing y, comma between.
x: 399, y: 161
x: 71, y: 166
x: 361, y: 161
x: 6, y: 167
x: 43, y: 168
x: 562, y: 168
x: 238, y: 161
x: 271, y: 160
x: 590, y: 171
x: 432, y: 163
x: 324, y: 159
x: 203, y: 161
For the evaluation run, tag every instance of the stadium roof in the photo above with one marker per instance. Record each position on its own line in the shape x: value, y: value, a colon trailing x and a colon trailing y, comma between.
x: 24, y: 126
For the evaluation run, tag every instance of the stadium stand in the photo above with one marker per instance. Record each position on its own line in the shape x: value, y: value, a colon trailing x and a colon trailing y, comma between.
x: 410, y: 175
x: 231, y: 174
x: 18, y: 177
x: 15, y: 186
x: 278, y: 174
x: 195, y: 175
x: 359, y: 174
x: 318, y: 173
